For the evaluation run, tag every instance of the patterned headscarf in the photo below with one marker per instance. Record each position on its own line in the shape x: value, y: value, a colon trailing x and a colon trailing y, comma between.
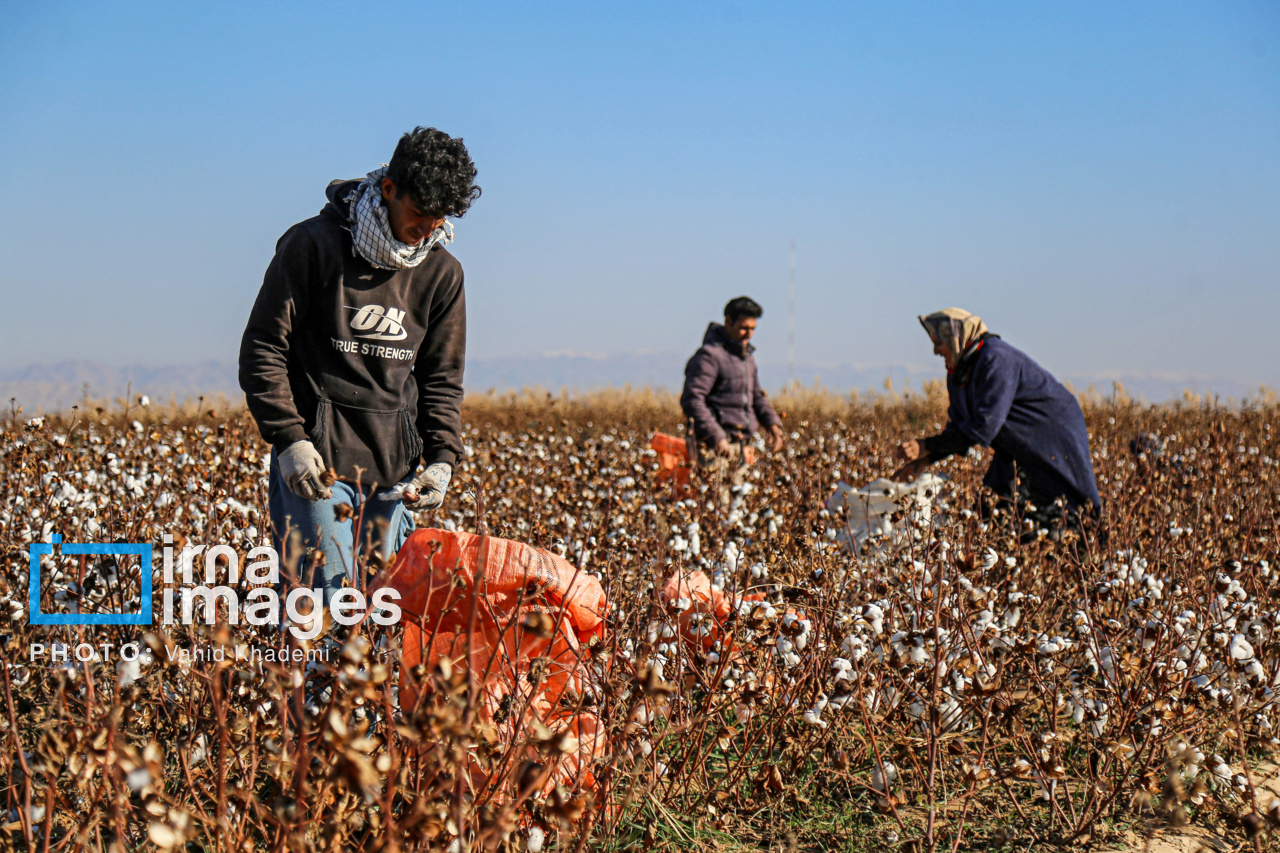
x: 954, y: 327
x: 371, y: 230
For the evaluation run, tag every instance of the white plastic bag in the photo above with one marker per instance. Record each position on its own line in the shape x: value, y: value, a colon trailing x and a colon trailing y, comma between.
x: 868, y: 510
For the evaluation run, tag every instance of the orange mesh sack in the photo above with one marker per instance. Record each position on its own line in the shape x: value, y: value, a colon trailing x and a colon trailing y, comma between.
x: 701, y: 622
x: 673, y: 459
x: 703, y: 609
x: 518, y: 620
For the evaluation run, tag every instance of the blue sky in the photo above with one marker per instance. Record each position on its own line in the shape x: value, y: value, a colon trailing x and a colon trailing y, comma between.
x: 1100, y: 181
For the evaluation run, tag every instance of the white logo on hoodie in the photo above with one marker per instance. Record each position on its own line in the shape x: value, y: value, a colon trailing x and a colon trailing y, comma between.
x: 388, y: 323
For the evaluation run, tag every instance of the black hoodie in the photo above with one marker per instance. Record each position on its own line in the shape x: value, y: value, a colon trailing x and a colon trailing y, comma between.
x: 366, y: 363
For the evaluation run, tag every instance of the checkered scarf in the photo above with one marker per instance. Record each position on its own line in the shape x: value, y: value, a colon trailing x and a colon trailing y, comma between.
x: 371, y: 230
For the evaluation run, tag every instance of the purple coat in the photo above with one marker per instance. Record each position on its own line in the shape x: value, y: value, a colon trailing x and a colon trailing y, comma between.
x: 722, y: 392
x: 1034, y: 424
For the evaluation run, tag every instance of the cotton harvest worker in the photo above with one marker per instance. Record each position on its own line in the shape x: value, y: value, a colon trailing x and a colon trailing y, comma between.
x: 352, y: 359
x: 1000, y: 398
x: 722, y: 395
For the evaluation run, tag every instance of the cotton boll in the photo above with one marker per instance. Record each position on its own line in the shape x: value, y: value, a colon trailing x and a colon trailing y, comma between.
x: 138, y: 779
x: 882, y: 780
x: 1240, y: 649
x: 854, y: 648
x: 806, y: 631
x: 813, y: 715
x: 197, y: 753
x: 731, y: 549
x: 838, y: 702
x: 843, y: 668
x: 1099, y: 724
x: 129, y: 671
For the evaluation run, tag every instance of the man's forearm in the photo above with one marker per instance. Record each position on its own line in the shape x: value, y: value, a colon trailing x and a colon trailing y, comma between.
x: 264, y: 348
x: 264, y: 378
x: 439, y: 367
x: 705, y: 427
x: 440, y: 426
x: 700, y: 377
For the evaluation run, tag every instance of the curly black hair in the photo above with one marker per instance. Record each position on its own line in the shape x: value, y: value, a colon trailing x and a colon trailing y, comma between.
x: 435, y: 170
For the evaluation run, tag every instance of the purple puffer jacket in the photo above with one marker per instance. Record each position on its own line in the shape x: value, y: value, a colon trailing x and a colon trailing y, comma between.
x: 722, y: 392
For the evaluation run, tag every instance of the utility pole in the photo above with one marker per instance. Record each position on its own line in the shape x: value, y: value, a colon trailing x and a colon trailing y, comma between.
x: 791, y: 321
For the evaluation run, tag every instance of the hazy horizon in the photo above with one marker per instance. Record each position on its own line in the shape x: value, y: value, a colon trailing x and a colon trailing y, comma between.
x: 57, y: 387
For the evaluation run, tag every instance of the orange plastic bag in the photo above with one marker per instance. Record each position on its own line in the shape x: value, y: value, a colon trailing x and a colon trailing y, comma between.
x: 701, y: 624
x: 494, y: 607
x: 673, y: 460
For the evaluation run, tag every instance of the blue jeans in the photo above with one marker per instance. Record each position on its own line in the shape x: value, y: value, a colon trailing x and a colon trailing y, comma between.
x: 299, y: 525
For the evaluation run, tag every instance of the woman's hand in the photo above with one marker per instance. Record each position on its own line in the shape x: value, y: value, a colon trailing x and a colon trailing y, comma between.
x: 910, y: 471
x: 910, y: 451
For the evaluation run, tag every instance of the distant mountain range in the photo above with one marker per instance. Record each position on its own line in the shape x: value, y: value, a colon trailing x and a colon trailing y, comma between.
x: 54, y: 387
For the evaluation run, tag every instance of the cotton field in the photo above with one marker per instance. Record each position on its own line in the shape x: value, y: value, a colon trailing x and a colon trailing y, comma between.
x: 953, y: 682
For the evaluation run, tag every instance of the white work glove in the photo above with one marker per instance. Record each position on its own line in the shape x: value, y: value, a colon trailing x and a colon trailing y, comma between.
x: 426, y: 491
x: 301, y: 466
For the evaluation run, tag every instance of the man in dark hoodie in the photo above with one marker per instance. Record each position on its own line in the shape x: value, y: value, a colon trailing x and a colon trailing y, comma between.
x: 722, y: 394
x: 352, y: 360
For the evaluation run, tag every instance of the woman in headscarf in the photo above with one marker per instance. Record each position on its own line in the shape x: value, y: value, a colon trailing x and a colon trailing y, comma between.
x: 1000, y: 398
